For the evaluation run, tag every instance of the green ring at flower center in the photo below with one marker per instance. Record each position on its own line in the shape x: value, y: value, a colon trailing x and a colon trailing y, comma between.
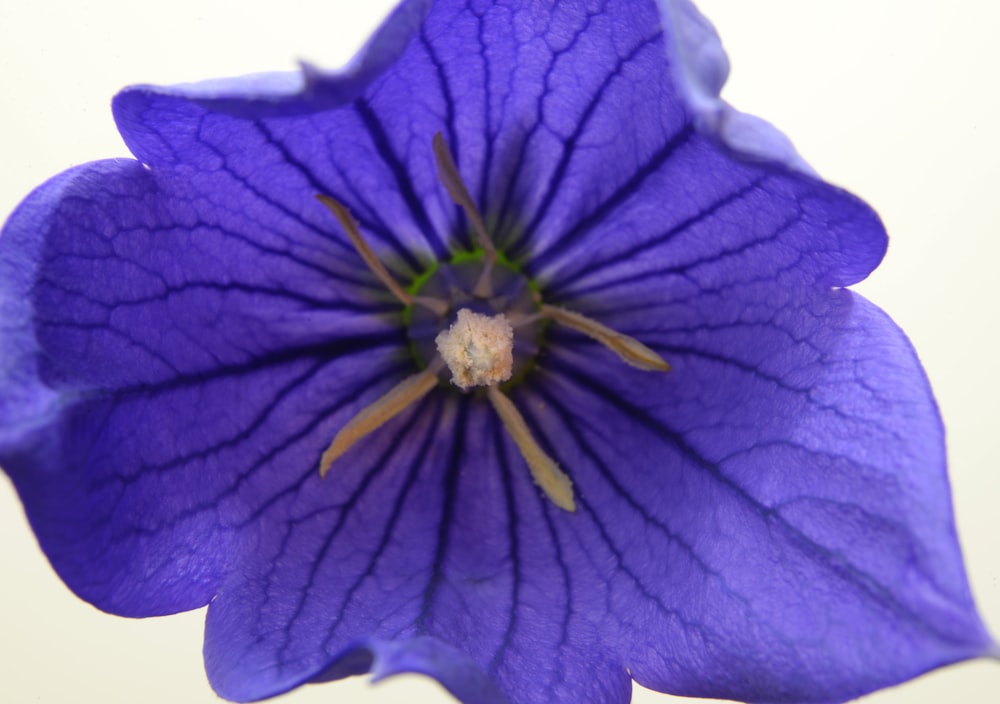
x: 513, y: 294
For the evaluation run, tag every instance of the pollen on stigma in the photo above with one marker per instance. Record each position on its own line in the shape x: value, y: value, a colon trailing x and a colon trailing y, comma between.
x: 478, y: 349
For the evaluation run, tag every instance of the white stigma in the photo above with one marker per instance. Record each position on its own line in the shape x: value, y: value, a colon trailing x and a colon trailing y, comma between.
x: 478, y: 349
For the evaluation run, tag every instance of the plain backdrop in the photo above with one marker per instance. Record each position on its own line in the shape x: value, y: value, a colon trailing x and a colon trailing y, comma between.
x: 894, y: 99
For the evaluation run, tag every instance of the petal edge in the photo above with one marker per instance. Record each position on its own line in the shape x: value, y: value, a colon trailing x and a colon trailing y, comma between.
x: 701, y: 67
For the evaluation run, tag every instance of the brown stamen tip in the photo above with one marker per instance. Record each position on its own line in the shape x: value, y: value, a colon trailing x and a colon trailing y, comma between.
x: 434, y: 305
x: 388, y: 406
x: 553, y: 481
x: 452, y: 181
x: 631, y: 351
x: 350, y: 226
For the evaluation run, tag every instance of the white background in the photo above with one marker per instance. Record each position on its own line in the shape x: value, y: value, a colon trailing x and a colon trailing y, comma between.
x: 894, y: 99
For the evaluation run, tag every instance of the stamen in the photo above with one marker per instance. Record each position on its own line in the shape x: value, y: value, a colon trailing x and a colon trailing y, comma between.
x: 448, y: 173
x: 478, y: 349
x: 388, y: 406
x: 452, y: 180
x: 546, y: 473
x: 631, y: 351
x: 519, y: 319
x: 350, y: 226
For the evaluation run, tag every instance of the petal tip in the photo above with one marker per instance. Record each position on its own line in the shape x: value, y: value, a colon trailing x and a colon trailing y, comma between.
x: 309, y: 89
x: 701, y: 68
x: 423, y: 655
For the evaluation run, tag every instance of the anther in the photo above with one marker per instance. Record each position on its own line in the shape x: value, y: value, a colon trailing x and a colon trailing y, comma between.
x: 631, y: 351
x: 544, y: 471
x: 452, y: 181
x: 388, y: 406
x: 350, y: 226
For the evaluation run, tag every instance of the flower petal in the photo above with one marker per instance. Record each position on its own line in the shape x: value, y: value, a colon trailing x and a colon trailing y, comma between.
x: 311, y: 89
x: 727, y: 222
x: 442, y: 534
x: 162, y: 372
x: 531, y: 102
x: 26, y: 404
x: 422, y: 655
x: 279, y: 165
x: 778, y: 526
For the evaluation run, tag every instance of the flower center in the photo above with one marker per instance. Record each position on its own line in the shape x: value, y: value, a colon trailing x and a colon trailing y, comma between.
x: 494, y: 337
x: 478, y: 349
x: 510, y: 295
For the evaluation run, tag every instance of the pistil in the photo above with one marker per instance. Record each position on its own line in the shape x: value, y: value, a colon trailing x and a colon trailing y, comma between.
x: 478, y: 349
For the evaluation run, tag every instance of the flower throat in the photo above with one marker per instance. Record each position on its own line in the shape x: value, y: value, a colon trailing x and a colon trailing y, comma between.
x: 482, y: 320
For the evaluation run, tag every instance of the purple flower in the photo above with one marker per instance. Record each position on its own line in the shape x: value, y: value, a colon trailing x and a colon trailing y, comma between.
x: 183, y: 337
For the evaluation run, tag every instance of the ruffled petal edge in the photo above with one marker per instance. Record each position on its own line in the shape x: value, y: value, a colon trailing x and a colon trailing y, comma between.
x: 422, y: 655
x: 28, y: 404
x: 701, y: 68
x: 310, y: 89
